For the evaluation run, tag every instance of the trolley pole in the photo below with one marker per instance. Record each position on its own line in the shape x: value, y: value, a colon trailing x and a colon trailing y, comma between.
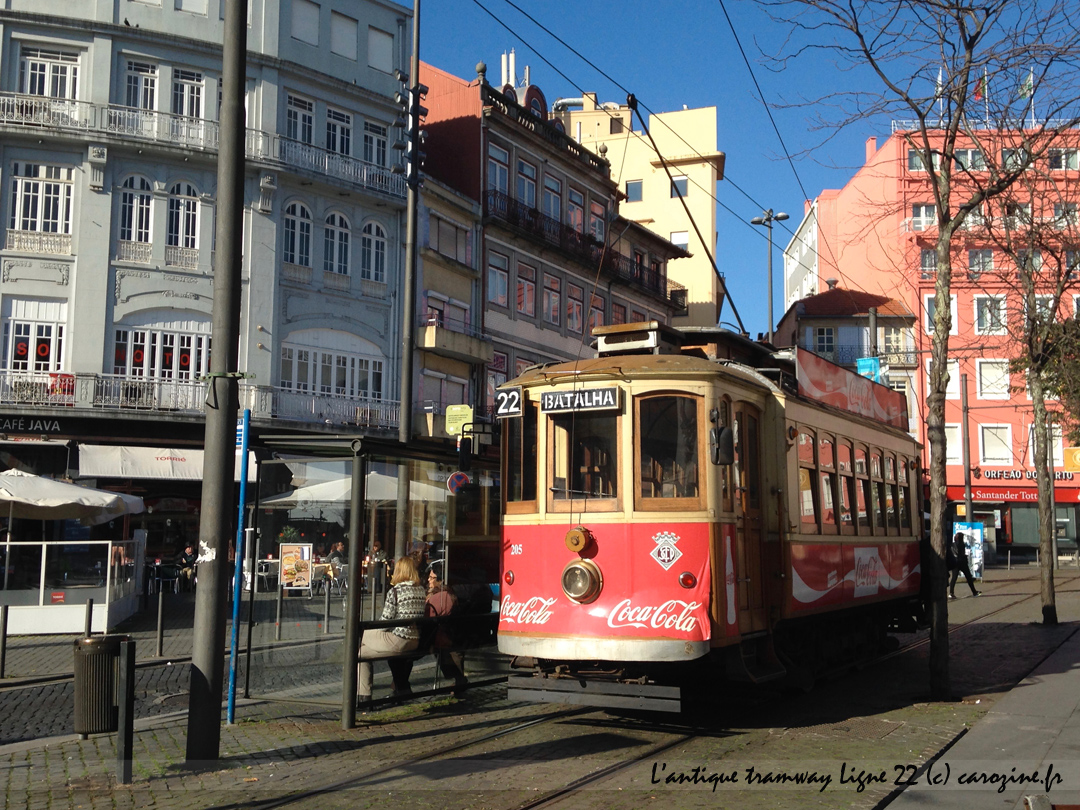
x: 221, y: 406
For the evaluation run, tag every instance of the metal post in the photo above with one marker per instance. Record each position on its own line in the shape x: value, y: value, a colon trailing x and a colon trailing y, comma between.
x: 326, y: 612
x: 768, y: 224
x: 159, y: 651
x: 353, y: 587
x: 965, y: 440
x: 255, y: 551
x: 89, y: 618
x: 125, y: 736
x: 238, y: 574
x: 3, y: 640
x: 222, y: 403
x: 408, y: 281
x: 1053, y: 505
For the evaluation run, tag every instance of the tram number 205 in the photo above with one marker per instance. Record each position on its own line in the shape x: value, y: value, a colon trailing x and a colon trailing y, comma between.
x: 508, y: 402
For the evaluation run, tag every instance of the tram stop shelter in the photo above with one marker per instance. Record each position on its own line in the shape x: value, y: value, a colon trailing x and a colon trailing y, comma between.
x: 305, y: 618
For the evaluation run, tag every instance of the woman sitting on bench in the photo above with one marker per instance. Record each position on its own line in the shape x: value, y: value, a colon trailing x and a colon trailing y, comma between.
x: 404, y: 600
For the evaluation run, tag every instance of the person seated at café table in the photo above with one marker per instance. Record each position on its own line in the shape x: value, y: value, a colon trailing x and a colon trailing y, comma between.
x: 187, y: 567
x: 337, y: 554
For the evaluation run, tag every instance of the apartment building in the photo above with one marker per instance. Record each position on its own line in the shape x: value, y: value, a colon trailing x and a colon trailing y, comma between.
x: 878, y: 234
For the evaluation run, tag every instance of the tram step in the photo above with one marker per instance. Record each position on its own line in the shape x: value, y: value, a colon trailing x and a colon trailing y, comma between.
x: 581, y: 692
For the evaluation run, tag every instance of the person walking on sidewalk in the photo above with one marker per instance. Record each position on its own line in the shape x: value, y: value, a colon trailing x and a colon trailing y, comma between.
x: 404, y: 600
x: 959, y: 553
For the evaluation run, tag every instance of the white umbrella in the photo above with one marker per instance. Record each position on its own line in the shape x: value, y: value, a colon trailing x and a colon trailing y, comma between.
x: 31, y: 496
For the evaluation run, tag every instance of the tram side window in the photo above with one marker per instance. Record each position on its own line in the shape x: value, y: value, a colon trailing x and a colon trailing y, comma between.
x: 891, y: 506
x: 521, y: 455
x: 807, y: 482
x: 903, y: 502
x: 847, y: 486
x: 585, y: 456
x: 827, y: 462
x: 669, y: 447
x: 877, y: 491
x: 863, y: 500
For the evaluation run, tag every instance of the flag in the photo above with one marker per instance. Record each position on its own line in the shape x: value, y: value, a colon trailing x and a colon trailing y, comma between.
x: 1027, y: 86
x: 980, y: 88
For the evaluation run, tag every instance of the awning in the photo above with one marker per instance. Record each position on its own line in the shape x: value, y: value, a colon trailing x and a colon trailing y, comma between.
x: 120, y: 461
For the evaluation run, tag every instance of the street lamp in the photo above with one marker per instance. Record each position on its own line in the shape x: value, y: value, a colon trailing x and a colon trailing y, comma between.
x: 767, y: 219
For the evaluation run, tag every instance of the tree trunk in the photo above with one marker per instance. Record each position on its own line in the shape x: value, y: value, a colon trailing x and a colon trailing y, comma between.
x: 1047, y: 523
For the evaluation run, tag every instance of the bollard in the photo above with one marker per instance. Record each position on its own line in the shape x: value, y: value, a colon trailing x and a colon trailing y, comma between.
x: 89, y: 618
x: 326, y: 611
x: 3, y: 639
x: 160, y: 623
x: 125, y: 736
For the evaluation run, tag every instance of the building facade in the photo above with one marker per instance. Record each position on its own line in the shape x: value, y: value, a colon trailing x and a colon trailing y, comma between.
x: 109, y: 114
x: 649, y: 197
x: 878, y: 234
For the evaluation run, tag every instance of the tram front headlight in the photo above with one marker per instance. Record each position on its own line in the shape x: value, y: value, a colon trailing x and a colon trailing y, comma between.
x: 581, y: 581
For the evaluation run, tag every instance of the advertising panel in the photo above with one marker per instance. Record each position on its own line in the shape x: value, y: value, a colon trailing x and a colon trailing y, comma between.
x: 295, y: 566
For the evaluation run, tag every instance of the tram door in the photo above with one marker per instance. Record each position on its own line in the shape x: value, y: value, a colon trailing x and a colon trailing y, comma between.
x: 748, y: 519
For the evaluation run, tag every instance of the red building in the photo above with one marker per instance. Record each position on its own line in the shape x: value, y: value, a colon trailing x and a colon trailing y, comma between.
x: 878, y: 234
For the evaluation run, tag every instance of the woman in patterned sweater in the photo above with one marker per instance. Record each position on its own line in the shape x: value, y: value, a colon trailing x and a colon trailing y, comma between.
x: 404, y: 600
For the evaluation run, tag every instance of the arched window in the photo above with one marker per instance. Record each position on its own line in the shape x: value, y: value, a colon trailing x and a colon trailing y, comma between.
x: 297, y: 248
x: 373, y: 253
x: 336, y: 245
x: 135, y: 201
x: 183, y: 225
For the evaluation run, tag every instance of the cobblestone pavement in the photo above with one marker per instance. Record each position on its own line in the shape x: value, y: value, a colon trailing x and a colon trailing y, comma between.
x: 869, y: 721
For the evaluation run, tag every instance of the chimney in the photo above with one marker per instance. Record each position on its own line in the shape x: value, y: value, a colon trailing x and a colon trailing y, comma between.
x: 832, y: 282
x: 871, y: 148
x: 590, y: 103
x: 511, y: 78
x: 502, y: 83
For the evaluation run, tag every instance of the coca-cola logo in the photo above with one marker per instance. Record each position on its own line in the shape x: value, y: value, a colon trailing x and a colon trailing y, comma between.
x: 866, y: 572
x: 674, y: 614
x: 534, y: 611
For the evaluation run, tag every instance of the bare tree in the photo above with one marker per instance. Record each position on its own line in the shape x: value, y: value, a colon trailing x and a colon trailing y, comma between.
x: 942, y: 66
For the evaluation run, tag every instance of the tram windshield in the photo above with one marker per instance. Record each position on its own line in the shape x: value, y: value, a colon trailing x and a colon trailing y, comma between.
x: 585, y: 455
x: 669, y: 446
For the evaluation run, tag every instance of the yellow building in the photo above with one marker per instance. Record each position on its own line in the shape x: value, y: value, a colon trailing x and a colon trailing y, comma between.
x: 687, y: 141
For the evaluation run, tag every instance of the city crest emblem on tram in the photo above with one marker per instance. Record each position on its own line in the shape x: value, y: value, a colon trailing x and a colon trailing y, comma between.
x: 666, y: 553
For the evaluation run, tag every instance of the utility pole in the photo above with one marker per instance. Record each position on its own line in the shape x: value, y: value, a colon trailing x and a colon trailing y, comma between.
x: 767, y: 218
x: 222, y: 405
x: 965, y: 440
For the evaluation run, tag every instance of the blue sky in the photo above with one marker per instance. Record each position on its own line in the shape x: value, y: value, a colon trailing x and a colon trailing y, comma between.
x: 668, y: 54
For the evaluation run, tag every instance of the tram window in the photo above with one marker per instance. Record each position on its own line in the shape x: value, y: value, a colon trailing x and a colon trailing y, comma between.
x: 847, y: 485
x: 584, y: 456
x: 669, y: 447
x: 828, y: 486
x: 863, y: 496
x: 521, y: 455
x: 808, y: 483
x: 806, y: 449
x: 749, y: 461
x: 727, y: 471
x: 903, y: 504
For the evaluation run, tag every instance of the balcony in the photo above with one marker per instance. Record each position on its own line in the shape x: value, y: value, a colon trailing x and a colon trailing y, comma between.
x: 454, y: 339
x: 581, y: 246
x: 115, y: 393
x: 847, y: 354
x: 341, y: 282
x: 126, y: 124
x: 176, y: 256
x: 38, y: 242
x: 299, y: 273
x: 138, y: 252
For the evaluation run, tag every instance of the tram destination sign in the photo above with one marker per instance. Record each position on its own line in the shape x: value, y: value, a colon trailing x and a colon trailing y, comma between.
x: 582, y: 399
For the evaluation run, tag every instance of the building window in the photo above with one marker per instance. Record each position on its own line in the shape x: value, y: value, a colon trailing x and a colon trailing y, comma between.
x: 299, y: 119
x: 40, y: 198
x: 1056, y: 447
x: 135, y: 199
x: 1044, y: 308
x: 971, y: 160
x: 1063, y: 159
x: 526, y: 184
x: 552, y: 299
x: 618, y: 313
x: 496, y: 376
x: 930, y: 307
x: 596, y: 312
x: 993, y: 379
x: 1015, y: 159
x: 679, y: 187
x: 553, y: 198
x: 575, y: 210
x: 979, y: 262
x: 916, y: 162
x: 1065, y: 215
x: 953, y: 448
x: 450, y: 240
x: 334, y: 373
x: 681, y: 239
x: 989, y: 315
x: 637, y: 317
x: 374, y: 143
x: 596, y: 221
x: 928, y: 263
x: 297, y: 248
x: 305, y: 21
x: 498, y: 169
x: 338, y: 132
x: 182, y: 225
x: 33, y: 344
x: 497, y: 279
x: 141, y: 85
x: 995, y: 445
x: 575, y: 305
x: 923, y: 216
x: 54, y: 74
x: 373, y: 253
x: 824, y: 340
x: 161, y: 353
x: 336, y: 245
x: 1030, y: 261
x: 952, y: 387
x: 1017, y: 215
x: 615, y: 126
x: 380, y: 50
x: 526, y: 290
x: 633, y: 191
x: 187, y: 93
x: 344, y: 34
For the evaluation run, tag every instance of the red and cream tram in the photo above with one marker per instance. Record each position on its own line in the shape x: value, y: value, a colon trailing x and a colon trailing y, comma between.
x: 690, y: 499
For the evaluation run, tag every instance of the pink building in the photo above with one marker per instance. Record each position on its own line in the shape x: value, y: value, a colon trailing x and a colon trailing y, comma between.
x: 877, y: 234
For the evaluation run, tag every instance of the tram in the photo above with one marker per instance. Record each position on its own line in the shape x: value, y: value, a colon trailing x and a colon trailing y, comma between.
x: 690, y: 505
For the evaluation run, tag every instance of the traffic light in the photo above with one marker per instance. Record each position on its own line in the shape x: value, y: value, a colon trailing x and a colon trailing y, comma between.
x: 412, y: 111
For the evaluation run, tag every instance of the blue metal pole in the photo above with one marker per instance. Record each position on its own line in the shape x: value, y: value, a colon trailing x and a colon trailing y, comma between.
x: 238, y: 577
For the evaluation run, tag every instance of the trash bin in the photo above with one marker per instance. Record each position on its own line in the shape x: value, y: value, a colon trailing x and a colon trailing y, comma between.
x: 97, y: 664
